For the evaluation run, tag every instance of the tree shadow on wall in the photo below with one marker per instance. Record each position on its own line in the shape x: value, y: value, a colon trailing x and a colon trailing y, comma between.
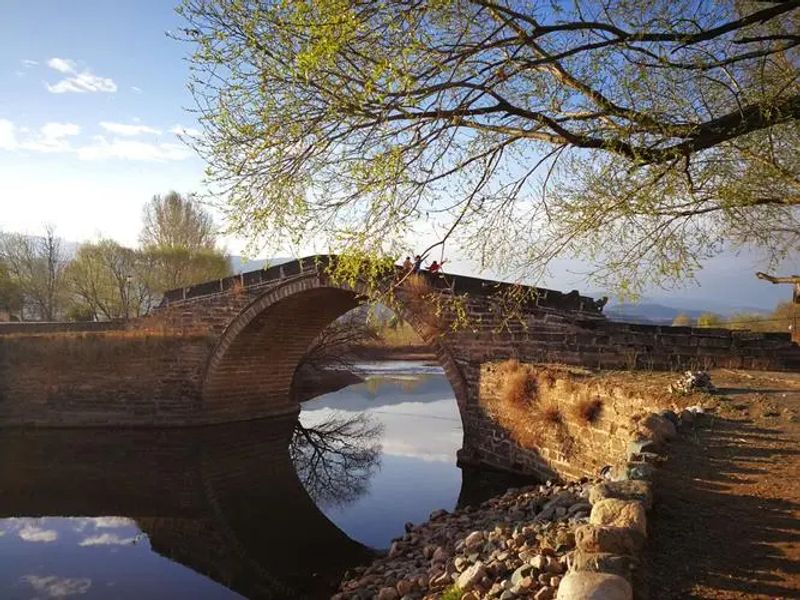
x: 712, y: 532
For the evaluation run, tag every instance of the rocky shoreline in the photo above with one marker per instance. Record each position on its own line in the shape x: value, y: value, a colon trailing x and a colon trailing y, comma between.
x: 513, y: 546
x: 563, y: 541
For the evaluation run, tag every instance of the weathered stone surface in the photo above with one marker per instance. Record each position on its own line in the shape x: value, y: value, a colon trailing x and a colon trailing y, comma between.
x: 388, y: 593
x: 604, y: 562
x: 658, y: 428
x: 473, y: 540
x: 467, y: 580
x: 636, y: 471
x: 619, y: 513
x: 622, y: 490
x: 617, y: 540
x: 594, y: 586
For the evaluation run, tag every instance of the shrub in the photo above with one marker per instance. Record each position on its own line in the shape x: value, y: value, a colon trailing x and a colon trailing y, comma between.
x: 588, y: 410
x: 519, y: 387
x: 550, y: 414
x: 452, y: 593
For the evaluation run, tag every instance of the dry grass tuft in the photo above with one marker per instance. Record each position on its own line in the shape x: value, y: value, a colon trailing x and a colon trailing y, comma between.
x: 519, y: 387
x: 550, y: 414
x: 522, y: 404
x: 588, y: 410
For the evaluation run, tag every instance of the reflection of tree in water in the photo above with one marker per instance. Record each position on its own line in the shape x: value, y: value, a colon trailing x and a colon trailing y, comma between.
x: 336, y: 458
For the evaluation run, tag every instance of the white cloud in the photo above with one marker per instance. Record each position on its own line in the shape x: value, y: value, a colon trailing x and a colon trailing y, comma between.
x: 58, y: 587
x: 62, y: 65
x: 127, y: 129
x: 52, y: 137
x: 78, y: 81
x: 136, y: 90
x: 31, y: 533
x: 107, y: 539
x: 29, y: 63
x: 102, y: 148
x: 55, y: 137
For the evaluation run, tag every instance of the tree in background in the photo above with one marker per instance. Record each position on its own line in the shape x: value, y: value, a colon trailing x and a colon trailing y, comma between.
x: 36, y: 266
x: 781, y: 319
x: 171, y: 267
x: 109, y: 281
x: 11, y: 299
x: 682, y: 320
x: 175, y: 221
x: 641, y: 136
x: 709, y: 320
x: 179, y: 244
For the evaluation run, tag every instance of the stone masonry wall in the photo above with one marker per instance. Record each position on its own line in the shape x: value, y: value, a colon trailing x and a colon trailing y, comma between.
x: 554, y: 336
x: 598, y: 418
x: 111, y: 378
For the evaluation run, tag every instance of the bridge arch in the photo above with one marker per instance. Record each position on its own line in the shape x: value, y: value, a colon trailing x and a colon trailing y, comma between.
x: 250, y: 371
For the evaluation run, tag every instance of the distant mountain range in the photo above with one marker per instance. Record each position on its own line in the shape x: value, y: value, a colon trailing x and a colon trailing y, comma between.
x: 650, y: 311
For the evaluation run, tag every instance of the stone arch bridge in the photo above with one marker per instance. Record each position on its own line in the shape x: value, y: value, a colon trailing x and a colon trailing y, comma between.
x: 227, y: 350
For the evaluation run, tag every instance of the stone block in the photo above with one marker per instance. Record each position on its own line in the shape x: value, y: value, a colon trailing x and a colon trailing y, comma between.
x: 638, y: 491
x: 619, y: 513
x: 640, y: 471
x: 657, y: 428
x: 616, y: 540
x: 604, y: 562
x: 594, y: 586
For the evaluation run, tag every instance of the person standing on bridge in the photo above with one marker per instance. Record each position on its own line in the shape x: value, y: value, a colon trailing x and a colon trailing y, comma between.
x: 436, y: 267
x: 417, y: 264
x: 408, y: 266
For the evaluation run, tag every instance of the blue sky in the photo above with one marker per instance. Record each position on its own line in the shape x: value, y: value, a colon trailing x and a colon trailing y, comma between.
x: 92, y: 93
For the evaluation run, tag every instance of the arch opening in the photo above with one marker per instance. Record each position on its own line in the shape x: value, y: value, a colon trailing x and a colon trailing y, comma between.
x: 251, y: 369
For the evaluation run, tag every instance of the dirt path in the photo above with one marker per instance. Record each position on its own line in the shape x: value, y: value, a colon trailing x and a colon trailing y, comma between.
x: 727, y: 519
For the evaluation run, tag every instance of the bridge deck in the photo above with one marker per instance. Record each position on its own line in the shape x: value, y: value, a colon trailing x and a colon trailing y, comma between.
x: 458, y: 284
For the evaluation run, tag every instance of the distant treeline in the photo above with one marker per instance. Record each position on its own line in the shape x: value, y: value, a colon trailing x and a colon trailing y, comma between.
x: 780, y: 319
x: 105, y: 280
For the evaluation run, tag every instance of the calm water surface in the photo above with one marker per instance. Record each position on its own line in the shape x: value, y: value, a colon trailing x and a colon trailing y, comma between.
x: 270, y: 509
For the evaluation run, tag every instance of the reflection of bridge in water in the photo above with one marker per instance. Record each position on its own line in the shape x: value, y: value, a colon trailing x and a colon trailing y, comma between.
x: 225, y: 501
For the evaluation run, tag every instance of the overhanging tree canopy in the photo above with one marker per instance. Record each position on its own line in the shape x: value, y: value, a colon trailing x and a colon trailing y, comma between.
x: 642, y: 136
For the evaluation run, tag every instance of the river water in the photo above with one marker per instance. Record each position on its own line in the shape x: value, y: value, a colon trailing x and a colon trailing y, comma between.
x: 270, y: 509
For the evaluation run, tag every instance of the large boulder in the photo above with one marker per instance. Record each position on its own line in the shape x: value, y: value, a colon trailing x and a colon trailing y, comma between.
x: 594, y: 586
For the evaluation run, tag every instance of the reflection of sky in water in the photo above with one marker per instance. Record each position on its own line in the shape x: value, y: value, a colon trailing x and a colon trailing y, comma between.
x: 111, y: 557
x: 83, y: 557
x: 422, y: 432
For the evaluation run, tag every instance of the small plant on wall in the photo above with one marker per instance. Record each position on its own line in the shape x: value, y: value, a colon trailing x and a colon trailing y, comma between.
x: 526, y: 405
x: 588, y: 410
